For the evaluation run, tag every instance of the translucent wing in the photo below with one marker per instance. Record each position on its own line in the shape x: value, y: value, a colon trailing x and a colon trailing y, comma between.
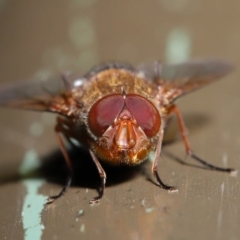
x: 45, y: 94
x: 180, y: 79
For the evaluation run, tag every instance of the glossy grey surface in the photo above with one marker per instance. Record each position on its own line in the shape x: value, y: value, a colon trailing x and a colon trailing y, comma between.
x: 41, y: 37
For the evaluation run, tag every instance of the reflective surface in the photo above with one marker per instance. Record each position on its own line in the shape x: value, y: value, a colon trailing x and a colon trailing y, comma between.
x: 54, y: 36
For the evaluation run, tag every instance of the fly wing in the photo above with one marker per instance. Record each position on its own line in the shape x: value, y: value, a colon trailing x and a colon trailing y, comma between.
x: 45, y: 94
x: 180, y: 79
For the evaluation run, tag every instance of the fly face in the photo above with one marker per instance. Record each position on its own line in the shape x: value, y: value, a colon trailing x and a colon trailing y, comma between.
x: 117, y: 111
x: 125, y: 134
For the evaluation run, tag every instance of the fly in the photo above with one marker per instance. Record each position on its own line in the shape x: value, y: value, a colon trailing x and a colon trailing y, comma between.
x: 117, y: 111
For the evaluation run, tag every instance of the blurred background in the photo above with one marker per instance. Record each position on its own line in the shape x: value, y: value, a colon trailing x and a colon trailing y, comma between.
x: 49, y: 37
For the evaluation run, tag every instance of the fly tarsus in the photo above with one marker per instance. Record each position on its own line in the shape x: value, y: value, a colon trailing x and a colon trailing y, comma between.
x: 101, y: 191
x: 232, y: 171
x: 170, y: 189
x: 61, y: 193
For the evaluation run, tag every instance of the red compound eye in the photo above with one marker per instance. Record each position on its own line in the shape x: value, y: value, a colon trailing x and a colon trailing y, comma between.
x: 103, y: 113
x: 145, y: 113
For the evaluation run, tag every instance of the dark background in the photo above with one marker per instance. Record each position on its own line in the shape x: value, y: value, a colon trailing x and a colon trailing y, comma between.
x: 43, y: 37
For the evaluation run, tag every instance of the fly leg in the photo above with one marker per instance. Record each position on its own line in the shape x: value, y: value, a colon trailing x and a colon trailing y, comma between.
x: 155, y: 166
x: 63, y: 127
x: 103, y: 177
x: 174, y: 110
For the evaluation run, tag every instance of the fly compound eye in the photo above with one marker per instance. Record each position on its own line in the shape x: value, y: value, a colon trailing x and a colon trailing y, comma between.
x: 145, y: 113
x: 104, y: 112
